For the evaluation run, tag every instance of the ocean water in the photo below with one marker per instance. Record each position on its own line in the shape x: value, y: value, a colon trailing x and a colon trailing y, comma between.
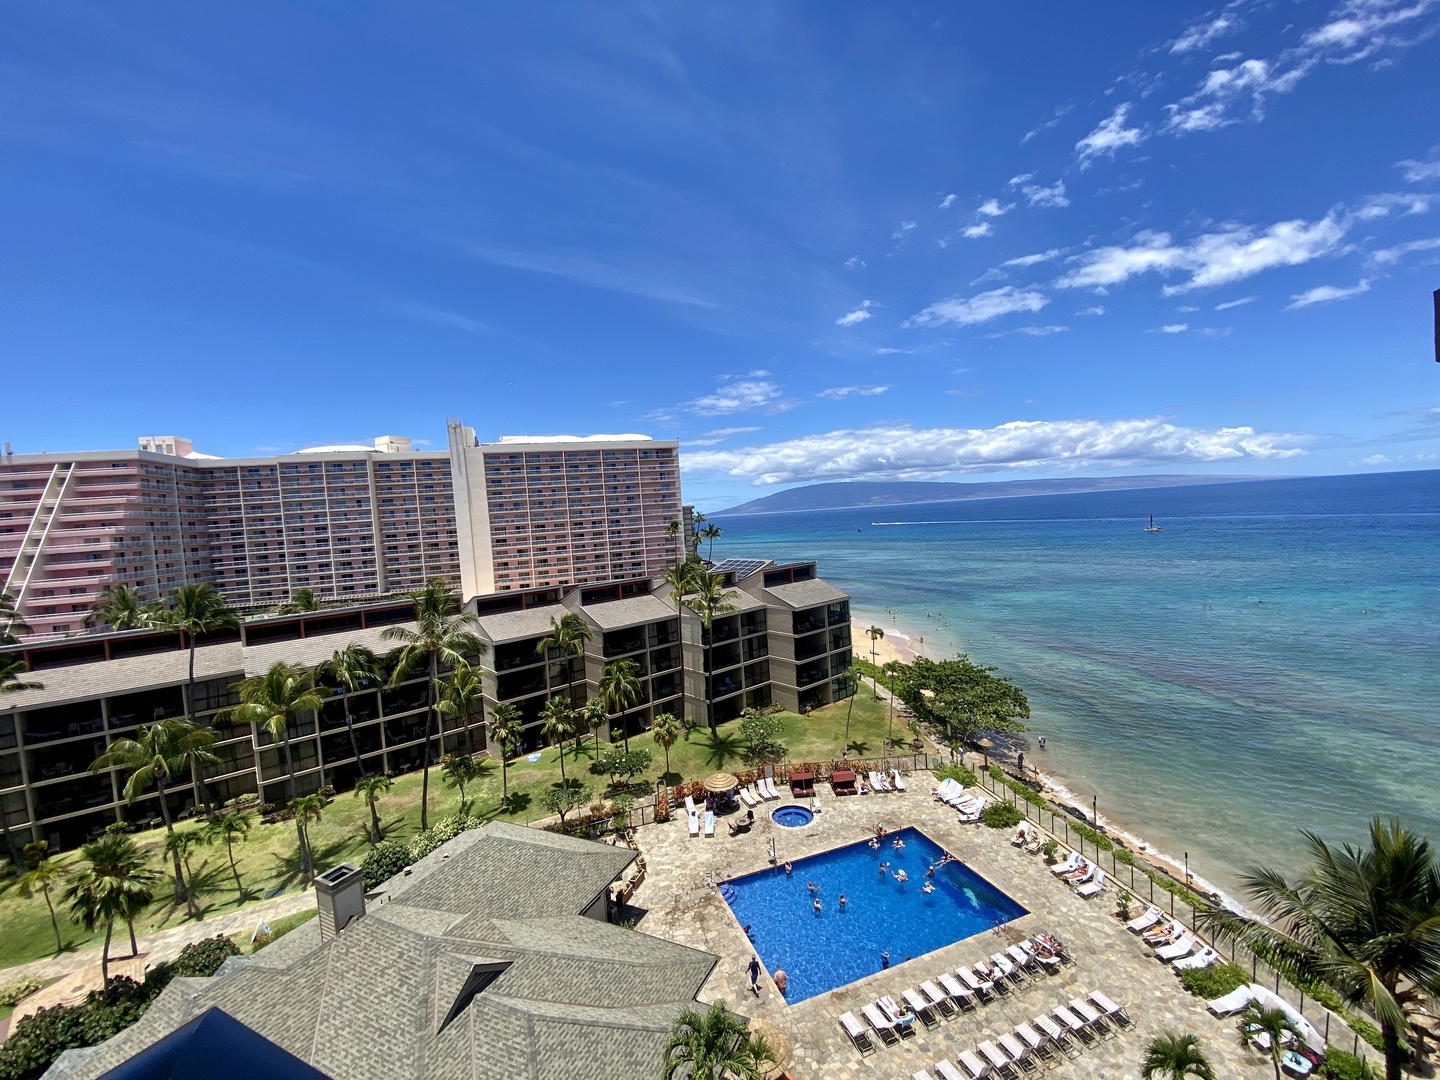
x: 835, y: 946
x: 1270, y: 662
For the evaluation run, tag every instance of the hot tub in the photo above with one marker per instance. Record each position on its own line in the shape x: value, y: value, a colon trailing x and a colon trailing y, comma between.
x: 791, y: 817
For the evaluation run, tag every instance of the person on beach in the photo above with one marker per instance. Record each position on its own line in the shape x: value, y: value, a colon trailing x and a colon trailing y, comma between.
x: 754, y: 970
x: 1021, y: 761
x: 879, y: 831
x: 1041, y: 740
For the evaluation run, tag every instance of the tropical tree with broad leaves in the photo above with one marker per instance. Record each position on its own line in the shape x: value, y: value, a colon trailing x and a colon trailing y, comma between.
x: 715, y: 1045
x: 12, y: 624
x: 443, y: 634
x: 45, y: 875
x: 619, y: 689
x: 568, y: 637
x: 666, y: 731
x: 370, y: 788
x: 504, y: 728
x: 462, y: 694
x: 707, y: 598
x: 353, y: 668
x: 231, y: 829
x: 11, y: 668
x: 710, y: 533
x: 875, y: 634
x: 557, y: 722
x: 1274, y: 1024
x: 114, y: 883
x: 120, y: 608
x: 1172, y: 1055
x: 307, y: 809
x: 459, y: 770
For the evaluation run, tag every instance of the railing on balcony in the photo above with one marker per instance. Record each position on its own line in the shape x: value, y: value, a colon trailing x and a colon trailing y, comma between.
x: 807, y: 622
x: 815, y: 645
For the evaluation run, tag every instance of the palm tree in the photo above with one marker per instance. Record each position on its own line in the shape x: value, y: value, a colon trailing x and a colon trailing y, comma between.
x: 370, y: 788
x: 303, y: 601
x: 666, y: 731
x: 353, y: 668
x: 710, y: 533
x: 11, y: 668
x: 154, y: 757
x: 196, y: 610
x: 115, y: 883
x: 708, y: 598
x: 1274, y: 1024
x: 713, y: 1045
x: 462, y: 692
x: 458, y: 770
x: 307, y: 808
x: 672, y: 531
x: 1365, y: 922
x: 619, y: 692
x: 557, y: 722
x: 1175, y: 1056
x: 874, y: 634
x: 11, y: 622
x: 120, y: 608
x: 505, y: 733
x: 854, y: 672
x: 181, y: 844
x: 678, y: 580
x: 41, y: 878
x: 443, y: 633
x: 229, y: 830
x: 569, y: 635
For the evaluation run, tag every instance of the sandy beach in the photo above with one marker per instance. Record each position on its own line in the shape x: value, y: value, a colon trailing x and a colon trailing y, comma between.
x: 894, y: 647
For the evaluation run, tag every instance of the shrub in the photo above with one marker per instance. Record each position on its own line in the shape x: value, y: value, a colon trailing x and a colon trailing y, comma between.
x: 1214, y: 982
x: 201, y: 959
x: 1001, y: 815
x: 443, y: 830
x: 1342, y: 1065
x: 1048, y: 849
x: 39, y: 1039
x: 959, y: 773
x: 384, y: 861
x: 12, y: 992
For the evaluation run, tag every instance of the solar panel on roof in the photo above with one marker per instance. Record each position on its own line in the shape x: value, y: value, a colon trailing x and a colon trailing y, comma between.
x: 742, y: 568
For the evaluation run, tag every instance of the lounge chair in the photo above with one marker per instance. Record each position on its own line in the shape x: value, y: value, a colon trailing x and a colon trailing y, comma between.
x: 904, y: 1021
x: 1084, y: 871
x: 748, y: 799
x: 1163, y: 935
x: 947, y: 789
x: 998, y: 1061
x: 1072, y: 1022
x: 973, y: 814
x: 689, y: 804
x: 983, y: 988
x: 919, y: 1006
x: 1036, y: 844
x: 877, y: 782
x: 1067, y: 866
x: 1093, y: 1020
x: 709, y: 822
x: 962, y: 996
x: 946, y: 1071
x: 937, y: 998
x: 1110, y: 1009
x: 921, y: 1074
x: 1023, y: 958
x: 896, y: 780
x: 1048, y: 964
x: 1183, y: 947
x: 694, y: 824
x: 1017, y: 1052
x: 1093, y: 886
x: 1057, y: 1035
x: 1038, y: 1043
x: 1231, y: 1003
x: 1002, y: 966
x: 1202, y: 959
x: 857, y: 1033
x: 1145, y: 921
x: 883, y: 1025
x: 1022, y: 834
x: 973, y: 1065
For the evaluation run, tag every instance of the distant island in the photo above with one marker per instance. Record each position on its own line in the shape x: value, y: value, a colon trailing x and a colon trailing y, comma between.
x: 853, y: 495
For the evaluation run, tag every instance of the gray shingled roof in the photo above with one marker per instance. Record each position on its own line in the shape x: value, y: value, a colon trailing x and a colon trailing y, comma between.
x: 576, y: 997
x: 804, y: 594
x: 311, y: 651
x: 519, y: 625
x: 630, y: 612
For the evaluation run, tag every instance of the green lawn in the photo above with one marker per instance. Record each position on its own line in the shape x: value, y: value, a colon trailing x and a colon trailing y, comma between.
x: 269, y: 861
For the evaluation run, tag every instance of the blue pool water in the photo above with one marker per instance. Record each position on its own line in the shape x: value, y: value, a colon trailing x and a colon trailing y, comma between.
x: 792, y: 817
x: 835, y: 947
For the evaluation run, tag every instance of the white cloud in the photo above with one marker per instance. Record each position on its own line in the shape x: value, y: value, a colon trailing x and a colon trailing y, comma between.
x: 1201, y: 34
x: 1172, y: 328
x: 1096, y: 309
x: 1108, y: 137
x: 1039, y: 195
x: 975, y: 232
x: 719, y: 435
x: 1215, y: 103
x: 859, y: 315
x: 1387, y: 256
x: 947, y: 202
x: 967, y: 311
x: 1379, y: 206
x: 1228, y: 304
x: 900, y: 452
x: 888, y: 350
x: 1031, y: 260
x: 1060, y: 112
x: 1186, y: 309
x: 835, y: 393
x: 992, y: 208
x: 1360, y: 28
x: 1418, y: 172
x: 1235, y: 253
x: 733, y: 397
x: 854, y: 262
x: 1030, y: 331
x: 1324, y: 294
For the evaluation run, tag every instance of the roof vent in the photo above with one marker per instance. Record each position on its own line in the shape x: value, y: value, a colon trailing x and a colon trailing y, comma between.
x: 340, y: 897
x: 479, y: 978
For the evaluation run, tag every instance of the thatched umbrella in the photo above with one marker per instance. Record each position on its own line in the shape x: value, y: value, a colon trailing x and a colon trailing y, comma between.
x: 986, y: 745
x: 721, y: 782
x: 778, y: 1042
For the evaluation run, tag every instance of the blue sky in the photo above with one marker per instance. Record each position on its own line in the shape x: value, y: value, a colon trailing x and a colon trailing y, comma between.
x: 813, y: 241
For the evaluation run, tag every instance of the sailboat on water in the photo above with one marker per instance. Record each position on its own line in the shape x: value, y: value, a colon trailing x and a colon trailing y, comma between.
x: 1152, y: 527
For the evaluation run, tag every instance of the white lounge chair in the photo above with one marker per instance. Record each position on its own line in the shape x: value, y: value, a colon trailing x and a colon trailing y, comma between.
x: 1037, y: 1043
x: 694, y: 824
x: 709, y: 822
x: 689, y: 804
x: 883, y: 1025
x: 1056, y: 1034
x: 856, y: 1030
x: 946, y: 1071
x: 748, y: 799
x: 1093, y: 886
x: 921, y: 1074
x: 896, y: 780
x: 973, y: 814
x: 973, y: 1065
x: 983, y: 988
x: 963, y: 996
x: 771, y: 790
x: 1001, y: 965
x: 998, y: 1061
x: 948, y: 789
x: 1070, y: 1020
x: 1202, y: 959
x: 877, y: 782
x: 1082, y: 873
x: 1022, y: 957
x: 1069, y: 864
x: 937, y: 998
x: 1022, y: 834
x: 1017, y: 1052
x: 1093, y: 1020
x: 1164, y: 935
x: 1110, y: 1009
x: 1148, y: 918
x: 1183, y: 947
x: 1231, y: 1003
x: 919, y: 1006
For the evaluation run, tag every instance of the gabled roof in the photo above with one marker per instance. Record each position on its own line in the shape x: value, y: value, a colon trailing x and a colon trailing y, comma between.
x: 634, y: 611
x: 804, y: 594
x: 519, y: 625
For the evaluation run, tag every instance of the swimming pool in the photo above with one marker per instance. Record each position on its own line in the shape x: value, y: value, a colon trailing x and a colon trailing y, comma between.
x: 792, y: 816
x: 837, y: 946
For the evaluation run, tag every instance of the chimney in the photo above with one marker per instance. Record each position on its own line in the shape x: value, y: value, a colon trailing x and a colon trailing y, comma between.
x: 340, y: 896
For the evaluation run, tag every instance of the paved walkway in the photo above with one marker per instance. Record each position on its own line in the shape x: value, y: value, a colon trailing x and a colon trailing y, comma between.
x: 683, y: 905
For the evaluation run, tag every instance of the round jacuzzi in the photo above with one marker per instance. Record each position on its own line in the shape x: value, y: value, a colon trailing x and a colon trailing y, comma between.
x: 791, y: 817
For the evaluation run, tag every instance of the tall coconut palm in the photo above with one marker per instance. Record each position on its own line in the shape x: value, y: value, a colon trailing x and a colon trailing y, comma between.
x: 1274, y: 1024
x: 708, y: 598
x: 875, y: 634
x: 353, y: 668
x: 307, y: 808
x: 458, y: 770
x: 41, y: 878
x: 120, y: 608
x: 666, y: 731
x: 302, y: 602
x: 672, y: 532
x: 713, y: 1045
x: 196, y: 610
x: 620, y: 692
x: 557, y: 721
x: 231, y: 829
x: 710, y: 533
x: 854, y: 672
x: 157, y: 754
x: 1175, y: 1056
x: 505, y: 733
x: 462, y: 694
x: 678, y: 579
x: 181, y: 843
x: 12, y: 624
x: 442, y: 634
x: 114, y: 884
x: 1364, y: 921
x: 370, y: 788
x: 568, y: 636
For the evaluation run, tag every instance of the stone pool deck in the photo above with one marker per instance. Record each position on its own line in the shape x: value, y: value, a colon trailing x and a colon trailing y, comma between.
x: 683, y: 905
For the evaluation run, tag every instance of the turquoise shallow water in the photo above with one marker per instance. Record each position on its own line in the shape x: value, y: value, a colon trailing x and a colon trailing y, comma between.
x: 1267, y: 663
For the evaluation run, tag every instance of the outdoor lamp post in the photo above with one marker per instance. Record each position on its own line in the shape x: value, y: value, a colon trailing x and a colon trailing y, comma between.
x: 1094, y: 810
x: 1187, y: 868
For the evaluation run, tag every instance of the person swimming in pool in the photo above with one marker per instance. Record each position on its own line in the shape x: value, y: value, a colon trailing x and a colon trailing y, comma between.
x: 901, y: 876
x: 884, y: 868
x: 842, y: 901
x: 811, y: 887
x: 898, y: 844
x: 928, y: 887
x: 788, y: 868
x: 874, y: 843
x: 818, y: 907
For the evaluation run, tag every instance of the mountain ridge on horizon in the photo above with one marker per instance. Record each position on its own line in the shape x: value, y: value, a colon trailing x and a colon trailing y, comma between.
x: 854, y: 495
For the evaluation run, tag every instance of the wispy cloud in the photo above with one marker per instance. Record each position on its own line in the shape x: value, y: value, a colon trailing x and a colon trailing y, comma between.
x: 835, y: 393
x: 1199, y: 35
x: 1171, y: 328
x: 1094, y: 309
x: 854, y: 262
x: 738, y: 395
x: 975, y: 232
x: 440, y: 317
x: 1390, y: 255
x: 591, y: 272
x: 992, y: 208
x: 859, y: 315
x: 1060, y: 112
x: 1228, y: 304
x: 1406, y: 203
x: 899, y: 452
x: 983, y: 307
x: 1037, y: 195
x: 719, y: 435
x: 1419, y: 172
x: 1029, y: 331
x: 1031, y: 260
x: 1324, y: 294
x: 1109, y: 136
x: 947, y: 202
